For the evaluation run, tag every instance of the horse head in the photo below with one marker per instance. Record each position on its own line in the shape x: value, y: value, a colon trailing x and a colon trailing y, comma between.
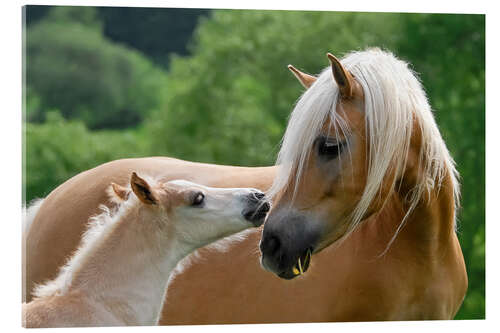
x: 362, y: 128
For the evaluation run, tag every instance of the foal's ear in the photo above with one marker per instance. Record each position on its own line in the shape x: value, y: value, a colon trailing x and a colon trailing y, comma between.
x: 142, y: 190
x: 305, y: 79
x: 118, y: 193
x: 344, y: 79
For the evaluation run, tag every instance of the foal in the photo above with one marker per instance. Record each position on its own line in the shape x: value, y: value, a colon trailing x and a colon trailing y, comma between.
x: 119, y: 273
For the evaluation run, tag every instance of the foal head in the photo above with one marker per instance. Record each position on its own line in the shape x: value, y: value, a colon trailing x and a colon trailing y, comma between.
x: 195, y: 214
x: 356, y: 132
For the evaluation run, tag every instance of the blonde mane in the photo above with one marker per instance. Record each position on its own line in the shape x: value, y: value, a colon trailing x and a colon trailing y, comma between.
x: 394, y: 99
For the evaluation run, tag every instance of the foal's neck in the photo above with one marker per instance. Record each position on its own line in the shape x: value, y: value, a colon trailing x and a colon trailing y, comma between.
x: 127, y: 268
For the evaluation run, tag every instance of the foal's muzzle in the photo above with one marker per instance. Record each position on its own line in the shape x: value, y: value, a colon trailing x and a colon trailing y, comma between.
x: 256, y: 208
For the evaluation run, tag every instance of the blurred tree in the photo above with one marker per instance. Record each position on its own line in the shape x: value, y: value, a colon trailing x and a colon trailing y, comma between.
x: 59, y: 149
x: 146, y: 29
x: 35, y: 13
x: 236, y: 87
x: 143, y: 29
x: 88, y: 16
x: 71, y: 67
x: 454, y: 76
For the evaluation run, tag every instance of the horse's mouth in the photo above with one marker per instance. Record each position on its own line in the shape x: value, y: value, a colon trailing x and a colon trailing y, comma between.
x: 300, y: 267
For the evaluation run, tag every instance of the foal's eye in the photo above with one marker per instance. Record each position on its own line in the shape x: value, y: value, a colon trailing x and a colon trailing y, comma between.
x: 329, y: 148
x: 198, y: 199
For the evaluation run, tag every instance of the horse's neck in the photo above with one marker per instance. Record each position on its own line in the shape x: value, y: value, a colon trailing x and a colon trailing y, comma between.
x: 429, y: 226
x: 434, y: 217
x: 127, y: 270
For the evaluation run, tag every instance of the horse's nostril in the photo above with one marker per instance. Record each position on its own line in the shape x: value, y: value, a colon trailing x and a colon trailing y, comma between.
x: 270, y: 245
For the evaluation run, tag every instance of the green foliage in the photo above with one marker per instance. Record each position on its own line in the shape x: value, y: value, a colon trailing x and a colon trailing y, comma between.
x: 454, y: 75
x: 229, y: 102
x: 236, y: 88
x: 104, y: 84
x: 156, y: 32
x: 87, y: 16
x: 60, y: 149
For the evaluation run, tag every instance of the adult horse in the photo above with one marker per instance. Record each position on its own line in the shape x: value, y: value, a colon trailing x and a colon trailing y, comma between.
x: 362, y: 168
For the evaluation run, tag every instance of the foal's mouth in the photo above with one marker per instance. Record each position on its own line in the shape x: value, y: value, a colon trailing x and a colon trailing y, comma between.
x: 300, y: 267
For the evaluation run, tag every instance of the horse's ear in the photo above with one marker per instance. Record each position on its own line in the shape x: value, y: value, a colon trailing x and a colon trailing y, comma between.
x: 142, y: 190
x: 118, y: 193
x: 305, y: 79
x: 344, y: 79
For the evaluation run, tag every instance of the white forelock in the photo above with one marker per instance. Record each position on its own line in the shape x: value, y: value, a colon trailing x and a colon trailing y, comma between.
x: 394, y: 98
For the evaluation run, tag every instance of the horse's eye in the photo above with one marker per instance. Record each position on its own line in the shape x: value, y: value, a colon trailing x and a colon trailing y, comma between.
x: 198, y: 199
x: 329, y: 148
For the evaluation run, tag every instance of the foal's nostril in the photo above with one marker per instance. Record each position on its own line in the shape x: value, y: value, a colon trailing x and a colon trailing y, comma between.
x: 256, y: 208
x: 264, y: 207
x: 259, y: 195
